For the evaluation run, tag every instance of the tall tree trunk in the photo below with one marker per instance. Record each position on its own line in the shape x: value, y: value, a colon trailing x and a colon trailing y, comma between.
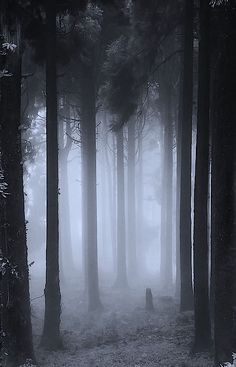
x: 114, y: 200
x: 65, y: 229
x: 121, y: 280
x: 186, y: 292
x: 163, y: 209
x: 178, y: 181
x: 16, y: 303
x: 168, y: 277
x: 111, y: 181
x: 51, y: 330
x: 65, y: 144
x: 167, y: 196
x: 88, y: 121
x: 131, y: 220
x: 84, y: 205
x: 139, y: 198
x: 202, y: 339
x: 223, y: 184
x: 3, y: 234
x: 61, y: 146
x: 105, y: 191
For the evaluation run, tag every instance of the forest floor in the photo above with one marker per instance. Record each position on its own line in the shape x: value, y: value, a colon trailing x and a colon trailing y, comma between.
x: 123, y: 334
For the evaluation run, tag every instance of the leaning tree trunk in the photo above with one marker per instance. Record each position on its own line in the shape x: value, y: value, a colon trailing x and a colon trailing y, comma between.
x: 121, y: 280
x: 186, y: 293
x: 88, y: 133
x: 131, y: 220
x: 51, y: 330
x: 16, y: 303
x: 202, y: 339
x: 223, y: 184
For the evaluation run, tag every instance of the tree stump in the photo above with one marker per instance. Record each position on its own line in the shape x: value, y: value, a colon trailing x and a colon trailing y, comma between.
x: 149, y: 300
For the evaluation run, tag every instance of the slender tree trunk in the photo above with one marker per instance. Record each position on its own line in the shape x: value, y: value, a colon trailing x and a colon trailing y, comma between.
x: 61, y: 146
x: 65, y: 144
x: 114, y: 201
x: 177, y: 276
x: 139, y: 198
x: 121, y: 280
x: 88, y: 120
x: 223, y: 184
x: 131, y: 220
x: 16, y: 303
x: 202, y: 339
x: 186, y: 292
x: 169, y: 195
x: 111, y: 181
x: 178, y: 181
x: 84, y: 201
x: 51, y: 330
x: 65, y: 229
x: 104, y: 192
x: 163, y: 209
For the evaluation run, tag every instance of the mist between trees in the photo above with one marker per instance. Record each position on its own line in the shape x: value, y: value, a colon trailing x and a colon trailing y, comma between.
x: 117, y: 182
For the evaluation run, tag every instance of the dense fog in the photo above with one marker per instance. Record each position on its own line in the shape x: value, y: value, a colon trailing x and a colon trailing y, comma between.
x: 117, y: 183
x: 148, y: 166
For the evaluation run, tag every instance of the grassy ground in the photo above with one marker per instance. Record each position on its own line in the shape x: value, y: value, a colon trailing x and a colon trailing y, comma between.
x: 123, y: 334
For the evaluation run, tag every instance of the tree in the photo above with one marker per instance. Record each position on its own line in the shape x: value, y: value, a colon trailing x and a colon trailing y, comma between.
x: 168, y: 141
x: 167, y: 182
x: 186, y: 294
x: 51, y: 331
x: 99, y: 26
x: 178, y: 175
x: 121, y: 280
x: 18, y: 345
x: 65, y: 145
x: 202, y: 339
x: 131, y: 213
x: 88, y: 128
x: 223, y: 180
x: 140, y: 194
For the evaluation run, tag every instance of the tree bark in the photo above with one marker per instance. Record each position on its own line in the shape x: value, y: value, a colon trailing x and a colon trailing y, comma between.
x: 65, y: 144
x: 163, y: 209
x: 186, y: 293
x: 51, y: 331
x: 223, y: 184
x: 114, y: 201
x: 167, y: 187
x: 111, y: 178
x: 84, y: 203
x: 16, y: 302
x: 121, y: 280
x: 139, y: 204
x: 131, y: 220
x: 178, y: 180
x: 169, y: 195
x: 202, y: 340
x: 88, y: 126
